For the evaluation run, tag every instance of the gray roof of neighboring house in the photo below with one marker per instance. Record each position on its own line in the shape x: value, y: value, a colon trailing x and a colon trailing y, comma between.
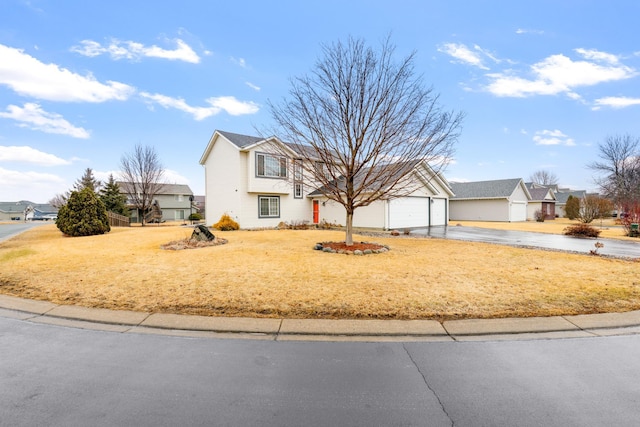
x: 562, y: 197
x: 166, y: 188
x: 22, y: 205
x: 540, y: 194
x: 497, y: 189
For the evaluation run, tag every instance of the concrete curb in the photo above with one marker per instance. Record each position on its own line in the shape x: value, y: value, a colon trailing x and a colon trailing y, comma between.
x: 322, y: 329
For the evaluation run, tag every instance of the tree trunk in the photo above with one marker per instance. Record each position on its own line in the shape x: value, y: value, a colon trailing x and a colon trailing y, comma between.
x: 348, y: 239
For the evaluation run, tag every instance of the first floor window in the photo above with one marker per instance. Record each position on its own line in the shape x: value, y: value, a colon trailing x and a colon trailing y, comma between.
x: 179, y: 214
x: 269, y: 206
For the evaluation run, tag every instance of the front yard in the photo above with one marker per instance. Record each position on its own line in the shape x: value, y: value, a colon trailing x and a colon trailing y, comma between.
x: 275, y: 273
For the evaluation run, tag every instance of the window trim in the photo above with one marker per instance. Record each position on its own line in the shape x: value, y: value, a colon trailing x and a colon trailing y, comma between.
x: 297, y: 185
x: 282, y: 166
x: 270, y: 198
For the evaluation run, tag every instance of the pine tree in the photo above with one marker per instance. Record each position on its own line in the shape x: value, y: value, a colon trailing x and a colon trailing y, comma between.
x: 112, y: 198
x: 87, y: 181
x: 83, y: 215
x: 572, y: 208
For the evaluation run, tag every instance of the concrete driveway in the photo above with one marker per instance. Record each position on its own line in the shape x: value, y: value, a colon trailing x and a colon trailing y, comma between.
x: 612, y: 247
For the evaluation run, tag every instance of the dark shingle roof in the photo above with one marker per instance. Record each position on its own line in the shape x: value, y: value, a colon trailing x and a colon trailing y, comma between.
x: 539, y: 193
x: 239, y: 140
x: 562, y: 197
x: 183, y: 189
x: 498, y: 189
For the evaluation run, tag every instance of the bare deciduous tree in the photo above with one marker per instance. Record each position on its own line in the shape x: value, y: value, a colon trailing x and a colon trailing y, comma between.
x: 619, y: 168
x: 142, y: 174
x: 544, y: 177
x: 364, y: 121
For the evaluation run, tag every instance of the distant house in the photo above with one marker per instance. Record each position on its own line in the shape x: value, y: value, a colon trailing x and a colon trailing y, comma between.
x: 247, y: 178
x: 25, y: 210
x: 172, y: 202
x: 562, y: 195
x: 502, y: 200
x: 543, y: 199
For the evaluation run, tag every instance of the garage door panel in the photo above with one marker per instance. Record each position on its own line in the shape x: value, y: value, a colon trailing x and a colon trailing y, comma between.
x: 409, y: 212
x: 439, y: 212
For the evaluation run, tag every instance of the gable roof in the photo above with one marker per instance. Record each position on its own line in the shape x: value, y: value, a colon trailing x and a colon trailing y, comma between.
x: 167, y: 189
x: 541, y: 193
x: 404, y: 169
x: 496, y: 189
x: 240, y: 141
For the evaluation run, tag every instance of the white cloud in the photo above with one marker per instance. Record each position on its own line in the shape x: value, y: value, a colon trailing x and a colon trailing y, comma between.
x: 552, y: 137
x: 228, y: 104
x: 529, y: 31
x: 252, y: 86
x: 34, y: 186
x: 32, y: 116
x: 597, y: 55
x: 26, y: 154
x: 615, y: 102
x: 560, y: 74
x: 174, y: 177
x: 134, y: 51
x: 464, y: 54
x: 28, y: 76
x: 239, y: 61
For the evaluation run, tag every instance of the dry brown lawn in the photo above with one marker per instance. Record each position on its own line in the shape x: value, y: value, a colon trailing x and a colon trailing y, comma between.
x: 275, y: 273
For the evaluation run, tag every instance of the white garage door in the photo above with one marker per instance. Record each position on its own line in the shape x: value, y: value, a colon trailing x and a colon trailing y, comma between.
x: 439, y: 212
x: 518, y: 212
x: 408, y: 212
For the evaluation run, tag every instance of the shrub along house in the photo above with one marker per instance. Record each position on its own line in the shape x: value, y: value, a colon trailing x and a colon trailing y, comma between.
x: 247, y: 178
x: 499, y: 200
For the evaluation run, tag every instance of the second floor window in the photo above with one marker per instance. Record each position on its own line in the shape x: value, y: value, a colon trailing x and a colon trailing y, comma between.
x: 271, y: 166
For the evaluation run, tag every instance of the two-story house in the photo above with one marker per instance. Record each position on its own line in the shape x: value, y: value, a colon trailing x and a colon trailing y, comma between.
x: 259, y: 182
x: 172, y: 199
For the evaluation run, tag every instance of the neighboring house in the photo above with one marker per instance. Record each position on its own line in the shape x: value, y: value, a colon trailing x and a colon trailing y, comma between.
x: 198, y: 206
x: 173, y: 201
x: 502, y: 200
x: 543, y: 199
x: 245, y: 179
x: 562, y: 195
x: 16, y: 211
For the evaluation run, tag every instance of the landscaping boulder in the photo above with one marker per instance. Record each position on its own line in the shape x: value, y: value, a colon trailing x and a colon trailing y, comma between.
x: 202, y: 233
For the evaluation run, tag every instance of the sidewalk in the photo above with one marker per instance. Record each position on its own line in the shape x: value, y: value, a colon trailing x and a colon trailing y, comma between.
x: 320, y: 330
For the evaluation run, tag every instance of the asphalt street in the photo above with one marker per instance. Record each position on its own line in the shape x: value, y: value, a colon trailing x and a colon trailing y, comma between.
x: 11, y: 229
x: 59, y: 376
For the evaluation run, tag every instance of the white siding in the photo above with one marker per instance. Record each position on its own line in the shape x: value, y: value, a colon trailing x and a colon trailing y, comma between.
x: 479, y: 210
x: 222, y: 181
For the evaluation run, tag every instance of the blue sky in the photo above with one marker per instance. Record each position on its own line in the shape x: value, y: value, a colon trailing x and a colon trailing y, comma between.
x: 542, y: 83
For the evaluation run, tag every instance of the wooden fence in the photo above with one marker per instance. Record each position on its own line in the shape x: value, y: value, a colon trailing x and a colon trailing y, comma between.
x: 116, y: 220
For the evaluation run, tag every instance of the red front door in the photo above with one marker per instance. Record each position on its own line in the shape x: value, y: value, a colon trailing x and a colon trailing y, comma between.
x: 316, y: 211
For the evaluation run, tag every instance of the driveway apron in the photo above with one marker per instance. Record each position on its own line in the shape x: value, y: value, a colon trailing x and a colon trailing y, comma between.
x: 612, y: 247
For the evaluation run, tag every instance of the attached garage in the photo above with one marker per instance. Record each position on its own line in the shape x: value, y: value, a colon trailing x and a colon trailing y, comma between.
x: 502, y: 200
